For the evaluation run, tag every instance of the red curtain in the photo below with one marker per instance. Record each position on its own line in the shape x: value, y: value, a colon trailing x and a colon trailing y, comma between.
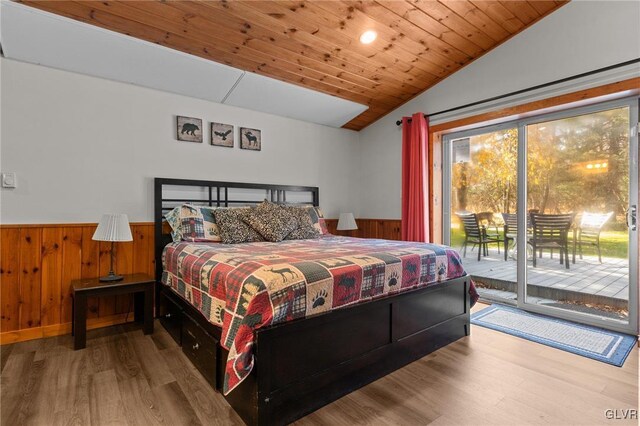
x: 415, y: 178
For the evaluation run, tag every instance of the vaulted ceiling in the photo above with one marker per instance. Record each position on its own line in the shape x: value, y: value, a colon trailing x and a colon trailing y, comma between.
x: 315, y: 44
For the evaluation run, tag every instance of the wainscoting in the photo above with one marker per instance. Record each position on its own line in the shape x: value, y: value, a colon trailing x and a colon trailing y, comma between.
x: 38, y: 262
x: 387, y: 229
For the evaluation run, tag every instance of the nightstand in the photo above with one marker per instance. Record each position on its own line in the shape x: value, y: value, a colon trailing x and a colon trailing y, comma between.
x: 142, y: 285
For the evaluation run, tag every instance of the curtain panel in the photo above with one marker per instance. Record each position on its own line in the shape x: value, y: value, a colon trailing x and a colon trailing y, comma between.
x: 415, y: 178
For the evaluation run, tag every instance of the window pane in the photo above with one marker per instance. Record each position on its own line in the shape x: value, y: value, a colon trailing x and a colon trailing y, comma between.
x: 484, y: 184
x: 577, y: 194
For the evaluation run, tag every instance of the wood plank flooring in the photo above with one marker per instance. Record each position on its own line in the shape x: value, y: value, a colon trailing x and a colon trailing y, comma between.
x: 489, y: 378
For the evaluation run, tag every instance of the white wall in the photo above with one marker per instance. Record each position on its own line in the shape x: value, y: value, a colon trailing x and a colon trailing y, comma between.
x: 82, y: 146
x: 579, y: 37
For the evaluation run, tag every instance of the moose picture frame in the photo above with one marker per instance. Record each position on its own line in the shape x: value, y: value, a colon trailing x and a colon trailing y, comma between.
x: 189, y: 129
x: 250, y: 139
x: 222, y: 135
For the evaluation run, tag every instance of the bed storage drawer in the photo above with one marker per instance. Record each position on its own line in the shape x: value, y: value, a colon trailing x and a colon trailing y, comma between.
x: 200, y: 348
x: 423, y: 311
x: 171, y: 317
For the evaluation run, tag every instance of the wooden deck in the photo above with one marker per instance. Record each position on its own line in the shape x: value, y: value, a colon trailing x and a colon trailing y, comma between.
x: 608, y: 279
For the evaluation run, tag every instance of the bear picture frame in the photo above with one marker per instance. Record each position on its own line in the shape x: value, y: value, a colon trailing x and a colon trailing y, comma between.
x: 250, y: 139
x: 189, y: 129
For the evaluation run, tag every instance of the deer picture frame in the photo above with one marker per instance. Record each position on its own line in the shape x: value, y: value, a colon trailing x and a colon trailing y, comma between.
x: 222, y: 135
x: 250, y: 139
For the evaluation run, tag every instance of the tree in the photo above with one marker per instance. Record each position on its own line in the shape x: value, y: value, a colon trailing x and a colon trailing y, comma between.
x: 558, y: 177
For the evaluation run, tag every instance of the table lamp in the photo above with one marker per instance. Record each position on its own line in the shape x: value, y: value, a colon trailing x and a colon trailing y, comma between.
x: 113, y: 228
x: 347, y: 222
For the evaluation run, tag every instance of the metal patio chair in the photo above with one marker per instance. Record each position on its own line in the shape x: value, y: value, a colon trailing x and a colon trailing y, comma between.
x: 511, y: 230
x: 591, y: 225
x: 476, y: 235
x: 550, y: 231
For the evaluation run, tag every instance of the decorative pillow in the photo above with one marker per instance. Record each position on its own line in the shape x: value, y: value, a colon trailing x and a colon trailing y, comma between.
x: 233, y: 230
x: 173, y: 219
x: 272, y: 221
x: 193, y: 223
x: 318, y: 219
x: 211, y: 229
x: 323, y: 226
x: 305, y: 229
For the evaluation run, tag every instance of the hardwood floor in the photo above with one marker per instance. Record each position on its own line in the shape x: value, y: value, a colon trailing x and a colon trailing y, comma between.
x: 124, y: 377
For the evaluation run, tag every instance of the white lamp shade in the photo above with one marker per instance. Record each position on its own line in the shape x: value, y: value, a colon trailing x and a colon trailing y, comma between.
x: 113, y: 227
x: 346, y: 222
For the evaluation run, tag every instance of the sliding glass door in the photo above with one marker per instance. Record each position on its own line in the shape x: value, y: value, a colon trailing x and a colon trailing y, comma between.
x: 483, y: 190
x: 545, y: 210
x: 581, y: 184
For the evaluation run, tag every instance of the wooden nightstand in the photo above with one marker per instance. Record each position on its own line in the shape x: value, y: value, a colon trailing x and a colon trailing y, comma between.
x: 142, y: 285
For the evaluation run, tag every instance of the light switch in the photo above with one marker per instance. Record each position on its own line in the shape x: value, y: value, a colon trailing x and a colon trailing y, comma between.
x: 9, y: 180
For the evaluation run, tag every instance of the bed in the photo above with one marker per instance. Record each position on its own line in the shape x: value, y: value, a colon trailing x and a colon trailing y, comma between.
x: 282, y: 329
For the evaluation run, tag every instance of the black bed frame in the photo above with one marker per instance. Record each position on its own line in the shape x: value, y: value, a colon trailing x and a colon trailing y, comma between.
x: 305, y: 364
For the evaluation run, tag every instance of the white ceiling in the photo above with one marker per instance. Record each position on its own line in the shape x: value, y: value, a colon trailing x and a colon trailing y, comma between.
x: 266, y: 94
x: 30, y: 35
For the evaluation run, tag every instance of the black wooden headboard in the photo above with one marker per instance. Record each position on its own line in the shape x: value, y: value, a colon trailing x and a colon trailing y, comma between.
x: 169, y: 193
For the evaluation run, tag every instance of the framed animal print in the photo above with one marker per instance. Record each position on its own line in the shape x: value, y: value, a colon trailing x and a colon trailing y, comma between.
x: 222, y: 134
x: 189, y: 129
x: 250, y: 139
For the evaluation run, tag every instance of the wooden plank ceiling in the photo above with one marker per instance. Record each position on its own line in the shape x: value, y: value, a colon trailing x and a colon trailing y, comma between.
x: 315, y: 44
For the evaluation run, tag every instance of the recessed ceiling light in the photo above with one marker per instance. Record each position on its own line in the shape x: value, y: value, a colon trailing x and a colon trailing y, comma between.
x: 368, y: 37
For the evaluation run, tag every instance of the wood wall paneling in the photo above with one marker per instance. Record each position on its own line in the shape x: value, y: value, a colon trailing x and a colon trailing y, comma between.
x: 387, y: 229
x: 72, y: 250
x: 51, y: 280
x: 29, y: 303
x: 37, y: 264
x: 10, y: 278
x: 90, y: 255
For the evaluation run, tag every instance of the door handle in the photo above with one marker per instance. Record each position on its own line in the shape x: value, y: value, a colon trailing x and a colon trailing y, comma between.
x: 632, y: 222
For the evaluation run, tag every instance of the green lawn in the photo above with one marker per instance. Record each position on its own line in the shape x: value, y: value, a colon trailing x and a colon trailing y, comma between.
x: 612, y: 243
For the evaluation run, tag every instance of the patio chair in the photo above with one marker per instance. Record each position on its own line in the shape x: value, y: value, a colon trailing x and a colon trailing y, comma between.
x: 591, y: 225
x: 487, y: 219
x: 550, y: 231
x: 511, y: 229
x: 476, y: 235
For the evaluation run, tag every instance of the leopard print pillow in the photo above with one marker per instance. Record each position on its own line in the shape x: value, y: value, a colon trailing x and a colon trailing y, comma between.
x: 272, y: 221
x: 305, y: 229
x: 233, y: 229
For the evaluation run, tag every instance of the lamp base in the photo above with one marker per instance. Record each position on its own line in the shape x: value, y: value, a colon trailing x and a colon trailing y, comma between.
x: 111, y: 278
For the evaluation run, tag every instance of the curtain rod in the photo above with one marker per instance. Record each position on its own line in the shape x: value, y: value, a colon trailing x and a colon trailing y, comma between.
x: 529, y: 89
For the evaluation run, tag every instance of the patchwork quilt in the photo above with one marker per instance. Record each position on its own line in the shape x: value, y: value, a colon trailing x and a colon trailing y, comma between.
x: 243, y: 287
